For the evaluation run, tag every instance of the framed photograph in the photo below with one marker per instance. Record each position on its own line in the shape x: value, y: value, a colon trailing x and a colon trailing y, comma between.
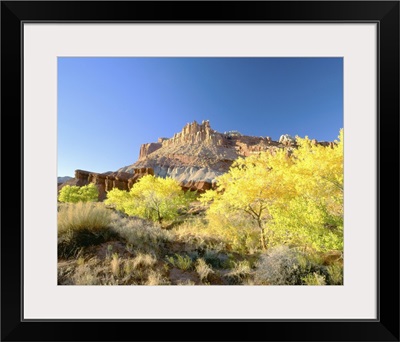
x: 171, y: 116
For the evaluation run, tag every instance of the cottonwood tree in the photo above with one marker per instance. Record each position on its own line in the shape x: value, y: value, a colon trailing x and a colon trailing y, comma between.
x: 294, y: 199
x: 152, y: 198
x: 75, y: 194
x: 251, y: 187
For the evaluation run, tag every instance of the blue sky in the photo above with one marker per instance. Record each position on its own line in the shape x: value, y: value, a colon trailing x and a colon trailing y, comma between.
x: 108, y: 107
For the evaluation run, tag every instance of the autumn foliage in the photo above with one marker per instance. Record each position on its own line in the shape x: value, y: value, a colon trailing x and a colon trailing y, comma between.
x: 293, y: 199
x: 152, y: 198
x: 75, y: 194
x: 275, y: 218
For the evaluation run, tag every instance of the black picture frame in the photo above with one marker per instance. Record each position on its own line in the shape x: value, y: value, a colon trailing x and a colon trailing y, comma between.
x: 384, y: 13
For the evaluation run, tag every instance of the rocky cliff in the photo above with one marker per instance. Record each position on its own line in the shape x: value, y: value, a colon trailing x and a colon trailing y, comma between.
x: 199, y: 153
x: 194, y: 157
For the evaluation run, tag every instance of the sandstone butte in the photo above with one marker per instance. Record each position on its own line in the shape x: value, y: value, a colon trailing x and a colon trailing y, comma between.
x: 194, y: 157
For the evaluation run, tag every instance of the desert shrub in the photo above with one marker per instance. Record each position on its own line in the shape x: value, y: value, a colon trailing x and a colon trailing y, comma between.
x: 196, y: 232
x: 137, y: 270
x: 75, y: 194
x: 282, y: 265
x: 80, y: 225
x: 85, y: 275
x: 215, y: 258
x: 194, y: 255
x: 314, y: 279
x: 241, y: 270
x: 115, y: 265
x: 203, y: 269
x: 155, y: 278
x: 143, y: 261
x: 186, y: 282
x: 335, y: 274
x: 219, y: 231
x: 182, y: 262
x: 140, y: 235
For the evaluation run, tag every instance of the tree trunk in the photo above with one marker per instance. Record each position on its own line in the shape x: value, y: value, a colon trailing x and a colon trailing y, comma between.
x: 263, y: 245
x: 262, y: 237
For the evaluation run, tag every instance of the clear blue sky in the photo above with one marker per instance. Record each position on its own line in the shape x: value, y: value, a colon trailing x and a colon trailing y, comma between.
x: 108, y: 107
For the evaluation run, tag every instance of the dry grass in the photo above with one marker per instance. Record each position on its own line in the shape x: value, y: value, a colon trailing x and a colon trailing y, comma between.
x: 141, y: 235
x: 81, y: 225
x: 203, y: 270
x: 82, y: 216
x: 85, y: 275
x: 186, y: 282
x: 196, y: 232
x: 104, y: 247
x: 155, y: 278
x: 115, y: 265
x: 143, y: 261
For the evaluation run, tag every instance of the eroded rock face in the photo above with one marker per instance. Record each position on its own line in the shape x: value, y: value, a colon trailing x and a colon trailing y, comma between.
x: 146, y: 149
x: 198, y: 153
x: 194, y: 133
x: 82, y: 177
x: 200, y: 187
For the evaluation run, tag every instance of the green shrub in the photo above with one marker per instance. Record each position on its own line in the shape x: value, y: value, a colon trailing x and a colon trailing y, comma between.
x: 75, y: 194
x: 335, y: 274
x: 184, y: 263
x: 215, y: 258
x: 81, y: 225
x: 241, y: 270
x: 314, y: 279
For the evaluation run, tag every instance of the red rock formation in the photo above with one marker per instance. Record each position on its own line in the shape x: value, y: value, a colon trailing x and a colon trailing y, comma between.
x: 82, y: 177
x: 144, y: 171
x: 200, y: 187
x: 107, y: 182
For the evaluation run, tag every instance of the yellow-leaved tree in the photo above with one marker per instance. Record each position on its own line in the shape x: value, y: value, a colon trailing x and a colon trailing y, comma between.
x: 152, y: 198
x: 250, y: 188
x: 293, y: 198
x: 75, y: 194
x: 314, y: 216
